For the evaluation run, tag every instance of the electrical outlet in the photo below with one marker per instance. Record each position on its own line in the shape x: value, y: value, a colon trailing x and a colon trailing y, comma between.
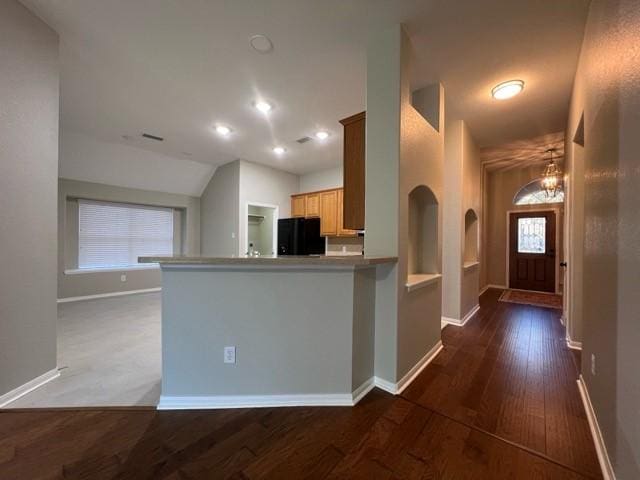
x: 233, y: 234
x: 123, y: 278
x: 593, y: 364
x: 229, y: 354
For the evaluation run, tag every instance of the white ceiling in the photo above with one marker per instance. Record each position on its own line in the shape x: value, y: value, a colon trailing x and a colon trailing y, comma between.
x: 174, y: 69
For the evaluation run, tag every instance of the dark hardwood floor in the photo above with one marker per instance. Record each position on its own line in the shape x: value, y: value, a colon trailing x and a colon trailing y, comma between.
x: 500, y: 402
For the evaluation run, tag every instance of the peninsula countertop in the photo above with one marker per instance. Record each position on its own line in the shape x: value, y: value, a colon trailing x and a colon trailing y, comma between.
x: 286, y: 260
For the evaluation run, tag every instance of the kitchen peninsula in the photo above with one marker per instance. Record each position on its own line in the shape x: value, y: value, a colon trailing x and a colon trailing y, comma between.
x: 267, y: 331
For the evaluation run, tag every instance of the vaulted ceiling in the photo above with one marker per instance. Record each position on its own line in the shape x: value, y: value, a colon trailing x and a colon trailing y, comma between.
x: 175, y: 69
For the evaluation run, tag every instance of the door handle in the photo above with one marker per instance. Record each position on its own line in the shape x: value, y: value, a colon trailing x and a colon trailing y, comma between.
x: 563, y: 264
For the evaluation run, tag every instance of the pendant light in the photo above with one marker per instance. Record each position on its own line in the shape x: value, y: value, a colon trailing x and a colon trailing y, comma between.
x: 551, y: 176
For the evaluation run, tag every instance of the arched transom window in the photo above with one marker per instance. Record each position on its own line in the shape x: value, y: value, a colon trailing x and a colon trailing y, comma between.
x: 533, y: 194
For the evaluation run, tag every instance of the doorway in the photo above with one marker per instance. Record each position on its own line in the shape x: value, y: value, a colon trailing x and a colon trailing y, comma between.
x: 532, y: 251
x: 262, y: 229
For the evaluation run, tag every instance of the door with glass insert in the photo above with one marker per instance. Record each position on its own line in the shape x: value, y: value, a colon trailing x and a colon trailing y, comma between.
x: 532, y: 241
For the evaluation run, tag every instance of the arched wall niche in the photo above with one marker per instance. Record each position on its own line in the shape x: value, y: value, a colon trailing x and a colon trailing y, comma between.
x: 423, y: 231
x: 470, y: 237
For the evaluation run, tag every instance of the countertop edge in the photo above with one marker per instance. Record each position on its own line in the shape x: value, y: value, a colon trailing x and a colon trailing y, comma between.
x: 348, y: 260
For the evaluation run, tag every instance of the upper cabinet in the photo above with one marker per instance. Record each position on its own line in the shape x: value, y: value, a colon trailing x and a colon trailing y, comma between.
x: 313, y: 205
x: 329, y: 213
x: 354, y: 171
x: 326, y: 204
x: 298, y: 205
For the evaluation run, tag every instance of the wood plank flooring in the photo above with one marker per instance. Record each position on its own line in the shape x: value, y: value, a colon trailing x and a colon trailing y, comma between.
x: 496, y: 404
x: 509, y: 373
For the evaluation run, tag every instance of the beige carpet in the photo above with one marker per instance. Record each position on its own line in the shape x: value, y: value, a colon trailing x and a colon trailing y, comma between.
x: 537, y: 299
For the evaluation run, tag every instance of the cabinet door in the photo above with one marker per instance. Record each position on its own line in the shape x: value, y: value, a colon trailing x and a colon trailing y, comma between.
x: 329, y: 213
x: 313, y: 205
x: 354, y: 171
x: 343, y: 232
x: 298, y: 205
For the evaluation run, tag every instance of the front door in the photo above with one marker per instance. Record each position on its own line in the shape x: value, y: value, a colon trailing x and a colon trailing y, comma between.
x: 532, y: 253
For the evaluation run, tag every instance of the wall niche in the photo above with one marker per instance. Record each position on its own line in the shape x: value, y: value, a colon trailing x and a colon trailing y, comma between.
x: 470, y: 257
x: 422, y: 268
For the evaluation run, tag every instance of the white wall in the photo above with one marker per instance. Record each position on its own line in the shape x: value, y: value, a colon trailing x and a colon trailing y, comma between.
x: 91, y: 160
x: 321, y: 180
x: 29, y: 99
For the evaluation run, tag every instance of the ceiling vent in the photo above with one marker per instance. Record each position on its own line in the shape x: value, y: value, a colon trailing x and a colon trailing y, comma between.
x: 153, y: 137
x: 303, y: 139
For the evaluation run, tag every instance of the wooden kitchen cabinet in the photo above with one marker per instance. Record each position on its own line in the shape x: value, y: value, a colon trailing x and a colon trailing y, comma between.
x: 354, y: 171
x: 329, y: 213
x: 343, y: 232
x: 312, y: 205
x: 298, y: 205
x: 326, y: 204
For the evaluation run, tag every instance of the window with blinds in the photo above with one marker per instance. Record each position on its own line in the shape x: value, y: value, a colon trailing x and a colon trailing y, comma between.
x: 116, y: 234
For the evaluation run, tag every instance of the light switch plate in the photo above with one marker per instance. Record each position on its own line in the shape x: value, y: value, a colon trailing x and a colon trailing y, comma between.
x: 229, y: 354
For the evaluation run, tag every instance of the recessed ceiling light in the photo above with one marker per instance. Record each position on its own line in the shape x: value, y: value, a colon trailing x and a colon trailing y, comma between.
x: 322, y: 135
x: 279, y: 150
x: 264, y: 107
x: 261, y: 43
x: 223, y: 130
x: 508, y: 89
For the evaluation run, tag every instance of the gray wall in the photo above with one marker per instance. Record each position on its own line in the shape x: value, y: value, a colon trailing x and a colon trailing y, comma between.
x: 607, y: 90
x: 311, y: 346
x: 262, y: 184
x: 29, y: 86
x: 462, y: 193
x: 403, y: 151
x: 321, y: 180
x: 219, y: 212
x: 94, y: 283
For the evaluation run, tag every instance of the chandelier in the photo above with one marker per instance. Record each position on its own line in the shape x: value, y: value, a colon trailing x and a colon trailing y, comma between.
x: 551, y: 176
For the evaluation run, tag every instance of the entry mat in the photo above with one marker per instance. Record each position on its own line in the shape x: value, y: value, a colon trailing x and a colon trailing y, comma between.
x: 538, y: 299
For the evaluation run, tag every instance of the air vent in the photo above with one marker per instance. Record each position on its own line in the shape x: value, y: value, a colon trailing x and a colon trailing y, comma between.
x: 153, y: 137
x: 303, y: 139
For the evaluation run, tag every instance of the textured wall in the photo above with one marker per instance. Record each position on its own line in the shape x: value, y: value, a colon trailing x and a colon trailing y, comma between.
x: 607, y: 91
x: 29, y: 86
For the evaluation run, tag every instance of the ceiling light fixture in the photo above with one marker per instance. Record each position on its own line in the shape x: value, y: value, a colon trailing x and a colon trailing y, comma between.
x: 322, y: 135
x: 223, y: 130
x: 279, y: 150
x: 508, y: 89
x: 551, y: 176
x: 261, y: 43
x: 264, y: 107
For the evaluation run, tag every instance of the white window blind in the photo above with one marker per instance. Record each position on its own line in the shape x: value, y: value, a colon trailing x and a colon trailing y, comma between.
x: 116, y: 234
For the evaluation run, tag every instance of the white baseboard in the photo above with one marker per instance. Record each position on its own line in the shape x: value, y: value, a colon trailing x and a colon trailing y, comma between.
x: 410, y: 376
x: 107, y: 295
x: 598, y: 440
x: 30, y: 386
x: 484, y: 289
x: 459, y: 323
x: 573, y: 344
x: 259, y: 401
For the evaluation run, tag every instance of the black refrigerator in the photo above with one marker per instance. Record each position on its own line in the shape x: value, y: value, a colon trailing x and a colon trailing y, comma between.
x: 300, y: 236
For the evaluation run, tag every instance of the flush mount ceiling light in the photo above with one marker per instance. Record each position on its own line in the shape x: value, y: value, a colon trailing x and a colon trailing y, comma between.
x: 223, y: 130
x: 264, y: 107
x: 279, y: 150
x: 261, y: 43
x: 508, y: 89
x: 322, y: 135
